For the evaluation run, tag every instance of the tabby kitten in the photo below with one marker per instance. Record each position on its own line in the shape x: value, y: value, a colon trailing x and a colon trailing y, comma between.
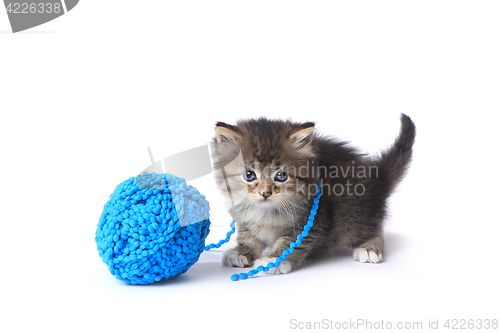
x: 269, y: 171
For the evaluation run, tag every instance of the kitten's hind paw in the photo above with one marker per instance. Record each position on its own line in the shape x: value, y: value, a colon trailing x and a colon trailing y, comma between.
x: 367, y: 255
x: 284, y: 267
x: 232, y: 258
x: 371, y: 251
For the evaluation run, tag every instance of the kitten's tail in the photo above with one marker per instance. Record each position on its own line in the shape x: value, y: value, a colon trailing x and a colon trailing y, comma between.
x: 397, y: 158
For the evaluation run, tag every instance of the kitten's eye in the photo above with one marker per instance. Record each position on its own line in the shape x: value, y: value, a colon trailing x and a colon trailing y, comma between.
x: 250, y: 176
x: 281, y: 176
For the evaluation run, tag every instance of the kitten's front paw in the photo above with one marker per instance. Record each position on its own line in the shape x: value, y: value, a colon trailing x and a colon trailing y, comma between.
x: 367, y: 255
x: 284, y: 267
x: 232, y: 258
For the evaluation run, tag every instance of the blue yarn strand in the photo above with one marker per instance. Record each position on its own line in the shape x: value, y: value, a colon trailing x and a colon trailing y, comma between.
x: 223, y: 241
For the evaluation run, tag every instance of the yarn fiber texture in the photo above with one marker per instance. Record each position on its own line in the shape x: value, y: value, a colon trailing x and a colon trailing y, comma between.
x: 153, y: 227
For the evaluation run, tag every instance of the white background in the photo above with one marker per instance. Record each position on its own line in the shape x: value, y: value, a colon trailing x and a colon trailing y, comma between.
x: 82, y: 97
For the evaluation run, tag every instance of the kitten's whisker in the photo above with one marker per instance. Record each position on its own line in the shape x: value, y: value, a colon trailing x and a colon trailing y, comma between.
x: 288, y: 209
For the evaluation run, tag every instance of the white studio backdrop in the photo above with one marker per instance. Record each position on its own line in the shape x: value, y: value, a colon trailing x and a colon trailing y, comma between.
x: 83, y: 96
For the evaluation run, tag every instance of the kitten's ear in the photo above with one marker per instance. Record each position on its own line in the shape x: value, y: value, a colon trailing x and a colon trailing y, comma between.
x: 226, y: 133
x: 303, y: 136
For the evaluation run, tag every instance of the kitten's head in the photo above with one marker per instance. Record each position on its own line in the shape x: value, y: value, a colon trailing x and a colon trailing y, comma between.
x: 265, y: 163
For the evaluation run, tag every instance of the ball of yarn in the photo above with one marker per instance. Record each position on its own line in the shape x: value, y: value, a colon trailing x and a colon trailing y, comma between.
x: 153, y: 227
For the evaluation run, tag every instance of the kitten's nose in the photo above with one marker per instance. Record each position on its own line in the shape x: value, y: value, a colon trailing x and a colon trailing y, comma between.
x: 265, y: 194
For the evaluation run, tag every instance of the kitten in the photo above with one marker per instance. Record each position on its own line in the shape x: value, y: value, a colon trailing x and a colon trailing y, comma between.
x: 272, y: 184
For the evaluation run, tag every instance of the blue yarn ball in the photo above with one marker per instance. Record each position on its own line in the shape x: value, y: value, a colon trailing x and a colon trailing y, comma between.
x: 153, y: 227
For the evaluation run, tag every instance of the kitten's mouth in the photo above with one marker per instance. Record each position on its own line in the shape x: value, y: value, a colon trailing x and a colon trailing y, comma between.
x: 265, y: 201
